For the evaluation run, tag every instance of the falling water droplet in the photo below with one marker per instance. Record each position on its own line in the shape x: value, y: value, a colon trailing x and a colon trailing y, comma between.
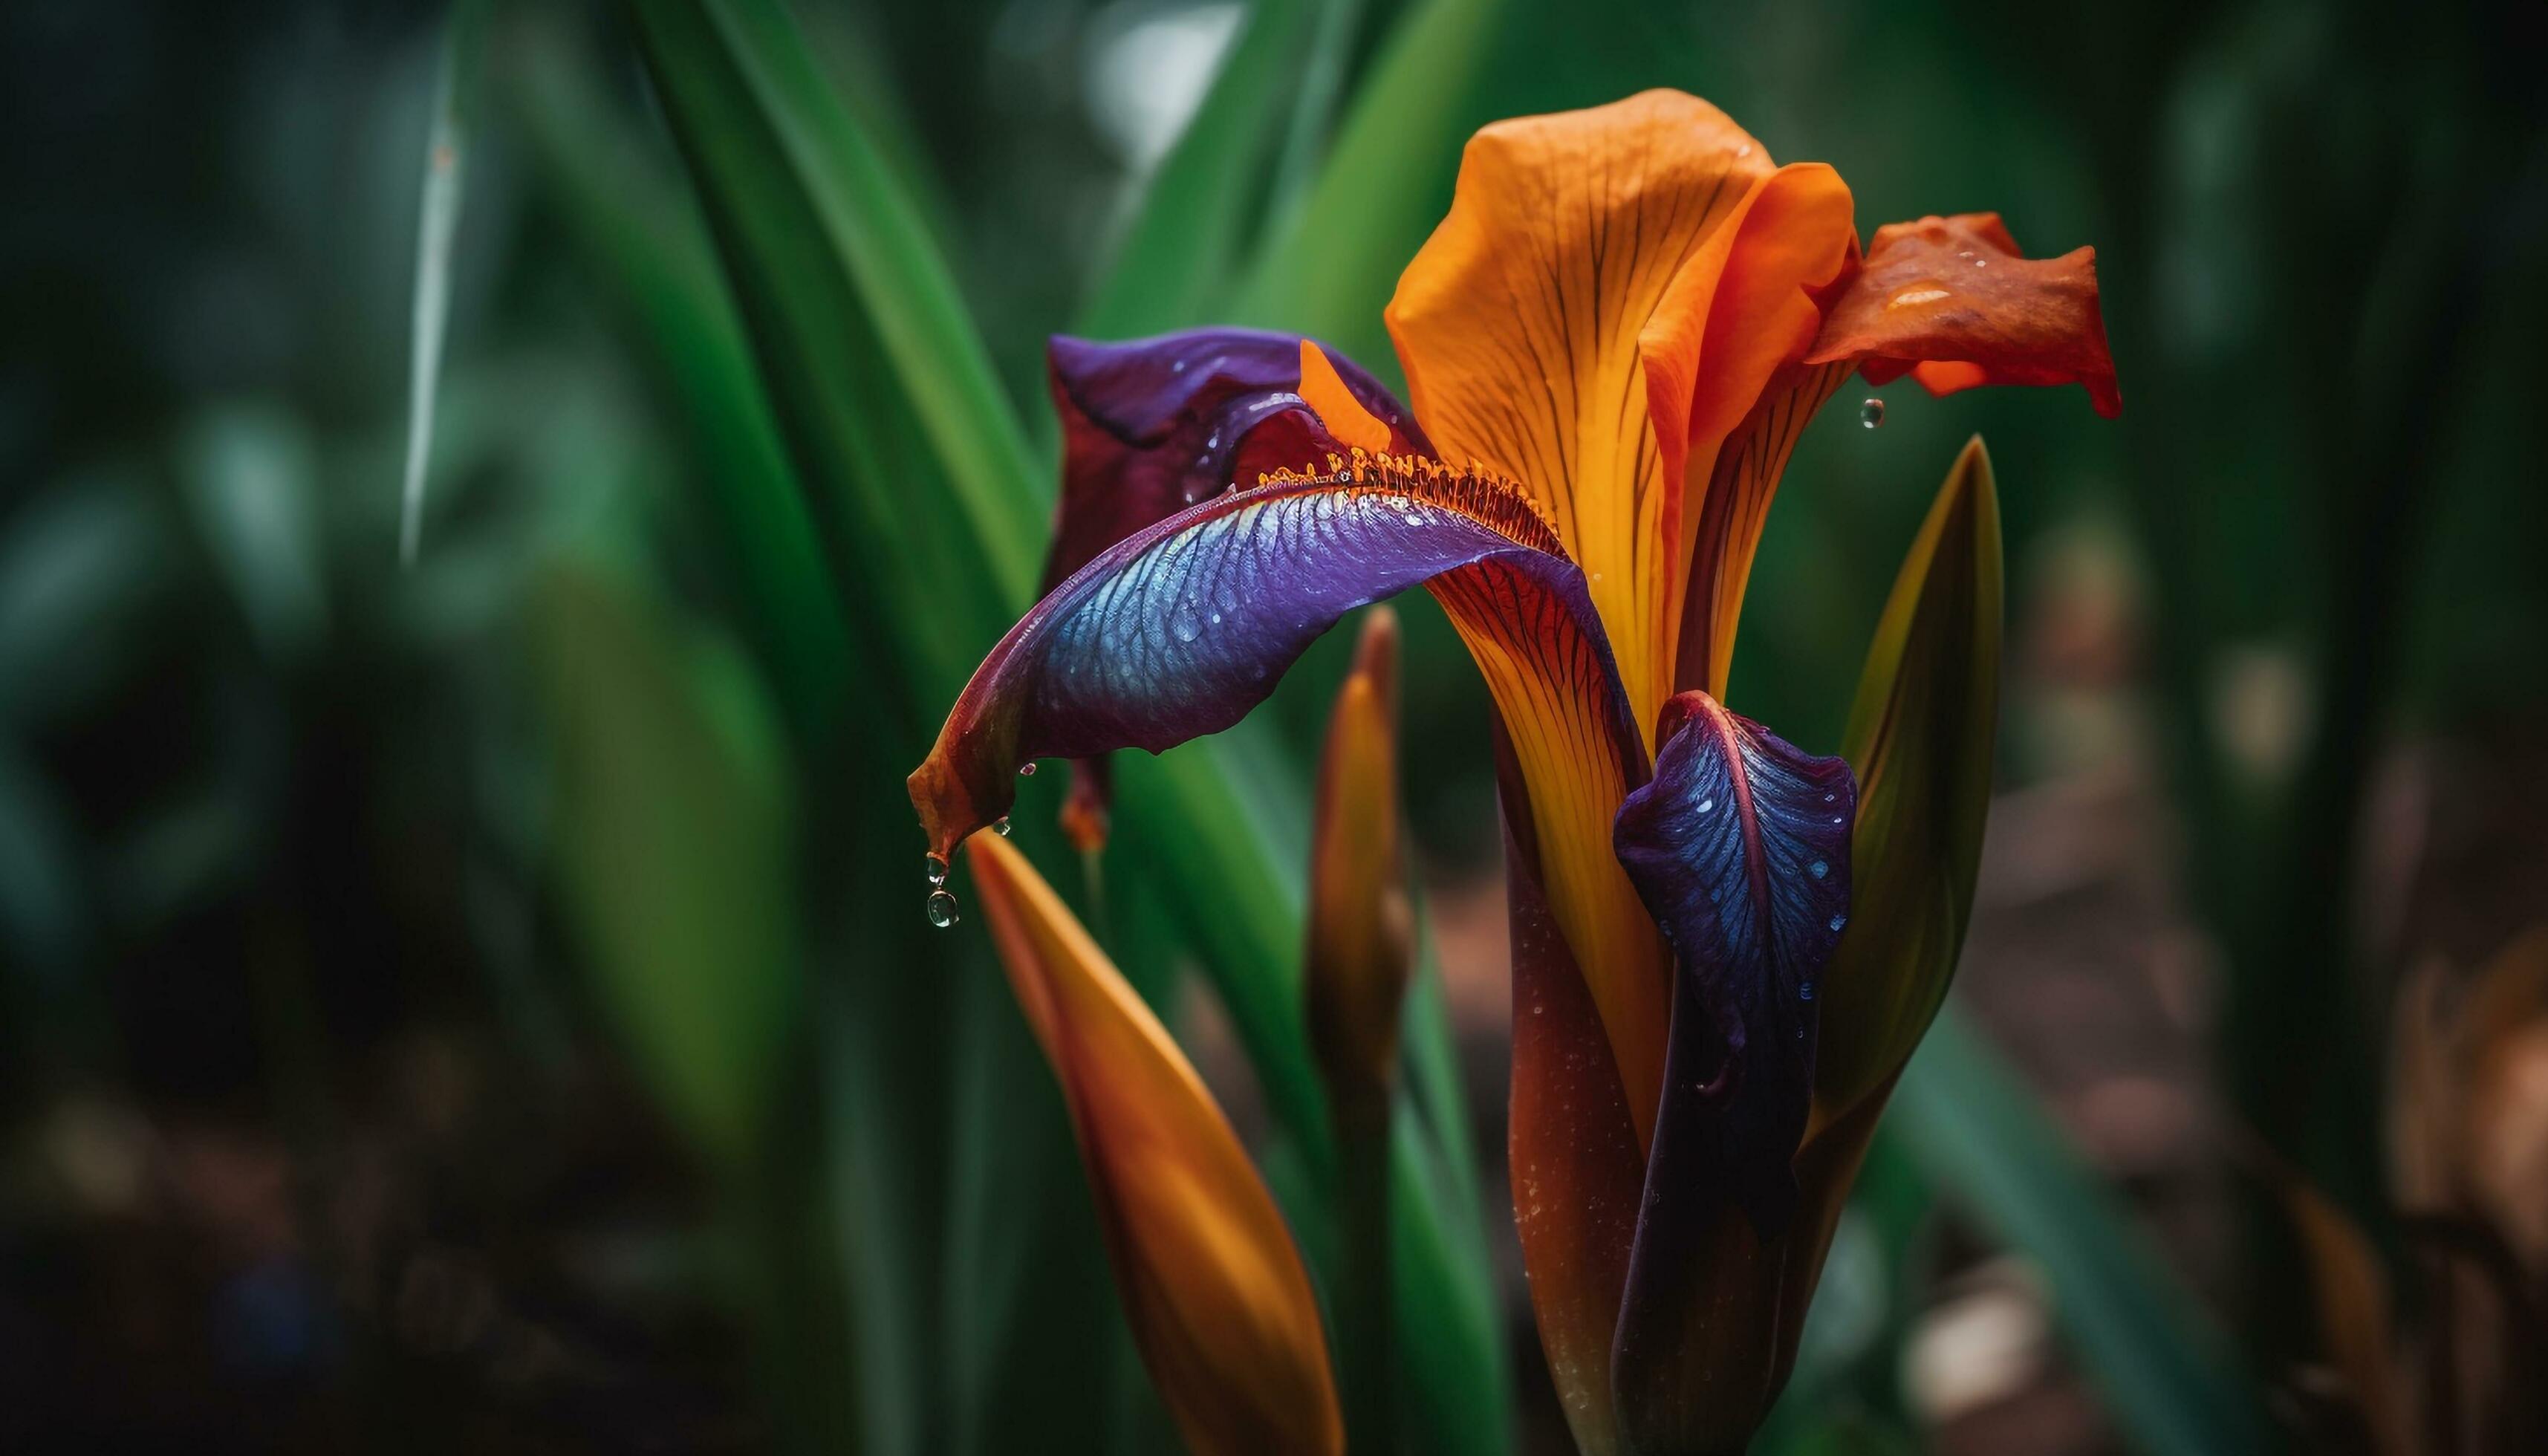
x: 1870, y: 411
x: 942, y: 909
x: 1818, y: 869
x: 1001, y: 827
x: 934, y: 869
x: 1838, y: 921
x: 1027, y: 769
x: 1806, y: 992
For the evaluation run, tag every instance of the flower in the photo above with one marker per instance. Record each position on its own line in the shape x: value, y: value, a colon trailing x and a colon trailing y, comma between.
x: 1613, y: 344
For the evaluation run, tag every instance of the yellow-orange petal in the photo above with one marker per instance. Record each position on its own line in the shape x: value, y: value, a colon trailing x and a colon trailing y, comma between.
x: 1952, y: 302
x: 1720, y: 357
x: 1519, y: 325
x: 1324, y: 390
x: 1361, y: 935
x: 1212, y: 1283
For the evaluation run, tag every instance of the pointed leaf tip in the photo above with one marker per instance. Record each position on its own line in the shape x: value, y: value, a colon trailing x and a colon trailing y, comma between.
x: 1921, y: 735
x: 1213, y: 1286
x: 1361, y: 935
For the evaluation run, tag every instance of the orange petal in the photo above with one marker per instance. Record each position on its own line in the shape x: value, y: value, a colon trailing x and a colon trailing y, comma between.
x: 1578, y: 1166
x: 1724, y: 347
x: 1361, y: 940
x: 1520, y: 327
x: 1212, y: 1284
x: 1324, y: 390
x: 1952, y: 302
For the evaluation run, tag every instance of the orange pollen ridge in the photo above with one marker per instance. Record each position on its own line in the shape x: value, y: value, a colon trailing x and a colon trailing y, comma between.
x: 1474, y: 491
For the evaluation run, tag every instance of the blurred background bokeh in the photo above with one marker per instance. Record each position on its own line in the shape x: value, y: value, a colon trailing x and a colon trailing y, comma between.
x: 486, y: 998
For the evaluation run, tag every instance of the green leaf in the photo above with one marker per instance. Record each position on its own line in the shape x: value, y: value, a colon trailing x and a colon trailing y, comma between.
x: 438, y: 224
x: 248, y: 477
x: 2172, y: 1380
x: 644, y: 239
x: 1178, y: 253
x: 809, y: 213
x: 1330, y: 268
x: 672, y: 841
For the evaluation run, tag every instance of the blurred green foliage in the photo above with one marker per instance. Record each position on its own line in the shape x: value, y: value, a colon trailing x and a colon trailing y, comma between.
x: 738, y: 462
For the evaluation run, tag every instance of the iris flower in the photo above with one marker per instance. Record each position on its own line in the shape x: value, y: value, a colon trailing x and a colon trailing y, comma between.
x: 1611, y: 344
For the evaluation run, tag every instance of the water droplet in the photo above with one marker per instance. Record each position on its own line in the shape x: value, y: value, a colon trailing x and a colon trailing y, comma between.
x: 1840, y: 819
x: 1000, y: 826
x: 934, y: 869
x: 942, y: 909
x: 1830, y: 797
x: 1870, y: 411
x: 1179, y: 367
x: 1838, y: 921
x: 1818, y: 869
x: 1027, y: 768
x: 1806, y: 992
x: 1184, y: 623
x: 1211, y: 442
x: 1706, y: 804
x: 1414, y: 519
x: 1910, y: 295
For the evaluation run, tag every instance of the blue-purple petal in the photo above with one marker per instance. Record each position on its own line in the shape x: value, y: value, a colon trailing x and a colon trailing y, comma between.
x: 1739, y: 845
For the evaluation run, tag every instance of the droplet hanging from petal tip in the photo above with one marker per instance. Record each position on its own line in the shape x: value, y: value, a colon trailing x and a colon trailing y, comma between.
x: 940, y: 907
x: 1870, y: 411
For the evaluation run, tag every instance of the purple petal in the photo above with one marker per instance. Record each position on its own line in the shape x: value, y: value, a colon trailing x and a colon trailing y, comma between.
x: 1740, y: 848
x: 1180, y: 629
x: 1153, y: 425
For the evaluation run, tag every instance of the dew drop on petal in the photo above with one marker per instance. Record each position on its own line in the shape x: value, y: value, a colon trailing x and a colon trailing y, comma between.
x: 1806, y: 992
x: 1705, y: 805
x: 1184, y: 623
x: 1870, y: 411
x: 1838, y: 921
x: 1818, y: 869
x: 942, y: 909
x: 1001, y: 827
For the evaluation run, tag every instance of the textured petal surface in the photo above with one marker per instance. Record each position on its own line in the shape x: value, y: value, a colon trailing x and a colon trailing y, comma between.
x: 1953, y: 303
x: 1150, y: 426
x: 1213, y: 1285
x: 1740, y: 846
x: 1522, y: 325
x: 1153, y: 425
x: 1180, y: 629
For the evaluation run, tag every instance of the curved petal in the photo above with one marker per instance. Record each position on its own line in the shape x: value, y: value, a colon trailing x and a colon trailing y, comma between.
x: 1181, y: 630
x: 1212, y: 1283
x: 1153, y: 425
x: 1522, y: 326
x: 1740, y: 846
x: 1952, y: 302
x: 1947, y: 300
x: 1150, y: 426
